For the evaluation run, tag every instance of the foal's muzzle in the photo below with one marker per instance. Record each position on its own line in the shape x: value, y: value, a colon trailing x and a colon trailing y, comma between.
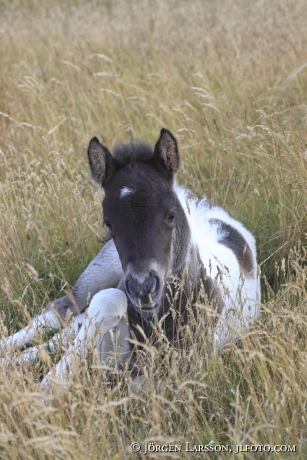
x: 143, y: 291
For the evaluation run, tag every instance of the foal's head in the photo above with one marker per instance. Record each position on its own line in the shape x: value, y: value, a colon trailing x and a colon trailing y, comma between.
x: 140, y: 209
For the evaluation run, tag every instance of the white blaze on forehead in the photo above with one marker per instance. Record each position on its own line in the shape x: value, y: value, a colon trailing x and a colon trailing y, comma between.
x: 125, y: 191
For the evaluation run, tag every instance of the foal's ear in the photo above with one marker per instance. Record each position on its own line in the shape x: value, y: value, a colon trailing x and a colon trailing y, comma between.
x: 101, y: 162
x: 166, y: 149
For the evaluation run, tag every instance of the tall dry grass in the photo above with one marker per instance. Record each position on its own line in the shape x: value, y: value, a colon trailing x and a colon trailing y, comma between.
x: 228, y: 78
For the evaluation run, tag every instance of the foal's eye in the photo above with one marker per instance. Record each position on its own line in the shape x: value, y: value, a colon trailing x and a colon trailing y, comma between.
x: 108, y: 224
x: 171, y: 217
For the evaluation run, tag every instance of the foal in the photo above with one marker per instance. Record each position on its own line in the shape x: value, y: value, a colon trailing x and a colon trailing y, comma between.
x: 165, y: 248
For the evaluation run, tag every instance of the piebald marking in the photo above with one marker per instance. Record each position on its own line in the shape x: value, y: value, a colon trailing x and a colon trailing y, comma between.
x: 126, y: 191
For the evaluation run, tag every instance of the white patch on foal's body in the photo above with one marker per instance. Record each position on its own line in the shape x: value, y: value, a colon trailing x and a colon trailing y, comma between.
x: 126, y: 191
x: 241, y: 295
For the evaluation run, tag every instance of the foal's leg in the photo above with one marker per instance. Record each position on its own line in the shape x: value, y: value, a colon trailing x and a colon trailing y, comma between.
x: 62, y: 339
x: 114, y: 348
x: 104, y: 313
x: 47, y: 322
x: 105, y: 271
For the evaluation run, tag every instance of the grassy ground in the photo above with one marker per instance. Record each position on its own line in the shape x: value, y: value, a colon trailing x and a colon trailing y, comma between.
x: 228, y: 79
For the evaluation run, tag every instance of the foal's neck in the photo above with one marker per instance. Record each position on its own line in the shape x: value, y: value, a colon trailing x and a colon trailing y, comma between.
x: 182, y: 250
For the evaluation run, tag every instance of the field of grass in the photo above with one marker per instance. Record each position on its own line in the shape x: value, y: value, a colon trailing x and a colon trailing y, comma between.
x: 229, y: 79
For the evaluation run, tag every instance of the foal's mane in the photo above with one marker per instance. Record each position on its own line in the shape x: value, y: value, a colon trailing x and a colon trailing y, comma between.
x: 132, y: 152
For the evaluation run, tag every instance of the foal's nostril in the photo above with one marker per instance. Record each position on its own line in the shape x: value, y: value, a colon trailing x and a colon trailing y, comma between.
x: 133, y: 287
x: 152, y: 284
x: 127, y: 287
